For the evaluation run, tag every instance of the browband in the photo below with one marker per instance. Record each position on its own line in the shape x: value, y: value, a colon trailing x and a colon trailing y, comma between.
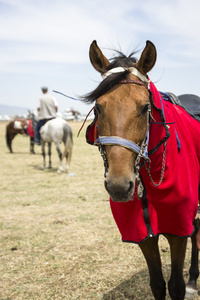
x: 132, y: 70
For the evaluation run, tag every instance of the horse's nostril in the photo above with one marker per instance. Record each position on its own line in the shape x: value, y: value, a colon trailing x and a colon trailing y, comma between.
x: 130, y: 187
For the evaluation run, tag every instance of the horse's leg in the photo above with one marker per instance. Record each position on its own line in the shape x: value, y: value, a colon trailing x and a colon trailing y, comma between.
x: 10, y: 144
x: 9, y: 138
x: 176, y: 284
x: 152, y: 256
x: 44, y: 155
x: 68, y: 150
x: 60, y: 169
x: 191, y: 288
x: 69, y: 154
x: 66, y: 155
x: 49, y: 153
x: 67, y: 162
x: 32, y: 145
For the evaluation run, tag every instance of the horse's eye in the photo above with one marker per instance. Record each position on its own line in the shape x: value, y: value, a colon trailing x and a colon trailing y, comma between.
x: 145, y: 109
x: 98, y: 109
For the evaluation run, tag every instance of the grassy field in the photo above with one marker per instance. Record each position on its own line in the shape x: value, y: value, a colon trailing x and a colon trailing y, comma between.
x: 57, y: 235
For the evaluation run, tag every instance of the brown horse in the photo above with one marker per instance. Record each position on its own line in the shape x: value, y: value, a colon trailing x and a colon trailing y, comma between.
x: 148, y: 146
x: 20, y: 126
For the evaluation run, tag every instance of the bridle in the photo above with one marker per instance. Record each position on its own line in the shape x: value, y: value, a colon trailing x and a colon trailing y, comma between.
x: 141, y: 150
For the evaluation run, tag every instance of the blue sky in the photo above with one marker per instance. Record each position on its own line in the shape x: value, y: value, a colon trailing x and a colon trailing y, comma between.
x: 46, y: 42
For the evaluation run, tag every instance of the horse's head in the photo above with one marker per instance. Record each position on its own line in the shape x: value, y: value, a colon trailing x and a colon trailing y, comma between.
x: 122, y: 112
x: 33, y: 116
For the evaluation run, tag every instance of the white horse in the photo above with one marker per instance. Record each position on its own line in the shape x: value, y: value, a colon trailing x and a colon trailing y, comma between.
x: 57, y: 130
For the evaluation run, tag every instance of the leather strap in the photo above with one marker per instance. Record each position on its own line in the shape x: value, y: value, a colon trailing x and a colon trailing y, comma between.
x: 115, y: 140
x: 132, y: 70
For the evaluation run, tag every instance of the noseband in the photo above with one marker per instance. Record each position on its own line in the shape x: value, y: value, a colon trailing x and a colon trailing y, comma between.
x: 115, y: 140
x: 141, y: 150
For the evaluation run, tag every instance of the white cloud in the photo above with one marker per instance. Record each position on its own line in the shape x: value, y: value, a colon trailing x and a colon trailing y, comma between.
x: 38, y: 36
x: 62, y: 30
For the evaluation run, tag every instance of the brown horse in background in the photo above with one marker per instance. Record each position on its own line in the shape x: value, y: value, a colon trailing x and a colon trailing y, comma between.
x: 20, y: 126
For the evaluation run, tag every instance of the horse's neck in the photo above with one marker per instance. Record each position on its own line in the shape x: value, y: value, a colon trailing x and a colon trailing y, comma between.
x: 24, y: 122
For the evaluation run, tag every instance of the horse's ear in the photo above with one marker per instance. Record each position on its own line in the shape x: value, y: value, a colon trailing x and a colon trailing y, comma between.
x: 98, y: 60
x: 147, y: 59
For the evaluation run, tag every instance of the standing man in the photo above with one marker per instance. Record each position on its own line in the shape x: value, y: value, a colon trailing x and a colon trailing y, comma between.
x: 47, y: 109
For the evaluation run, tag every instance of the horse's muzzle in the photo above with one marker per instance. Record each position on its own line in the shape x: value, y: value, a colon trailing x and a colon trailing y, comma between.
x: 120, y: 190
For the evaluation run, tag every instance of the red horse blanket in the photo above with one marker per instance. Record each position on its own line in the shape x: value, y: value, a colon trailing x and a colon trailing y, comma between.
x: 30, y: 129
x: 172, y: 206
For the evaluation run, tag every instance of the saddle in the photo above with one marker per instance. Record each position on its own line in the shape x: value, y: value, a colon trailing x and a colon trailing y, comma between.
x: 190, y: 102
x: 18, y: 125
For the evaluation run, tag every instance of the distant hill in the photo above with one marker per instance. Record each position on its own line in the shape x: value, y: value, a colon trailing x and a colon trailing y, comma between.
x: 12, y: 110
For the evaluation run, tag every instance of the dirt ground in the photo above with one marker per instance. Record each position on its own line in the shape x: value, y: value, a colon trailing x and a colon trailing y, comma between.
x: 57, y: 234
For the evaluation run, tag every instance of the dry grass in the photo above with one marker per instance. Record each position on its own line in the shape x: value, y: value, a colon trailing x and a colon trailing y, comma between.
x: 58, y: 237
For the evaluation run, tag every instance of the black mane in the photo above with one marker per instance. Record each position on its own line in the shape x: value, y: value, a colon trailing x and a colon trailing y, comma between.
x: 119, y: 61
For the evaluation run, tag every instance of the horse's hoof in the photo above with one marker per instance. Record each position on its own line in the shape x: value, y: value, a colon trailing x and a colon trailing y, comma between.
x: 190, y: 293
x: 60, y: 170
